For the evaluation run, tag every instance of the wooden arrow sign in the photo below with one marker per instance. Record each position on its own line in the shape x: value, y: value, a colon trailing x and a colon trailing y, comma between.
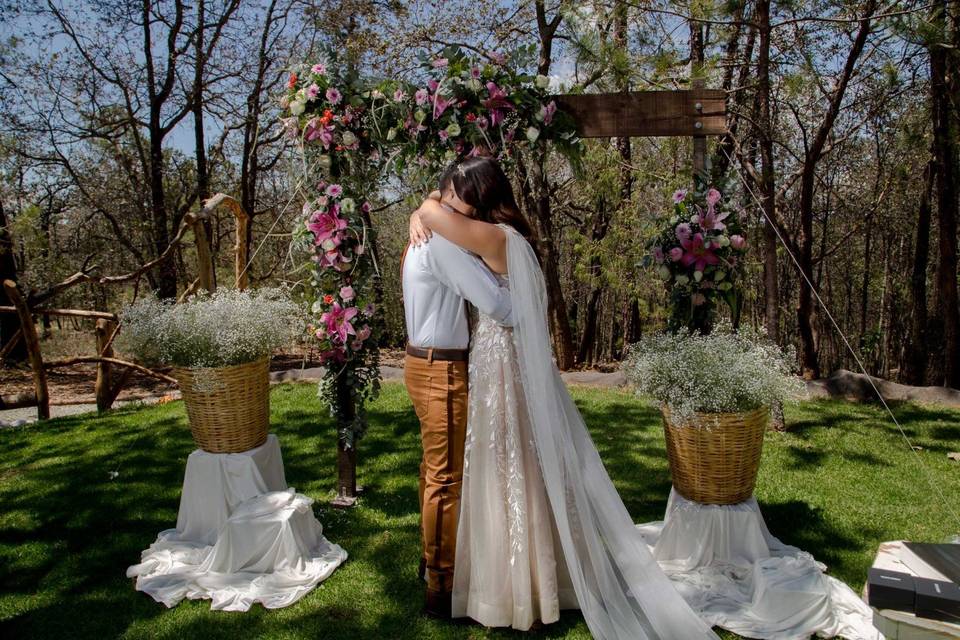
x: 698, y: 112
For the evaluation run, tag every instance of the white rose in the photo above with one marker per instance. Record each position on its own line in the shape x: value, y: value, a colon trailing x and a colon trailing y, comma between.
x: 542, y: 81
x: 723, y: 241
x: 453, y: 129
x: 349, y: 138
x: 419, y: 115
x: 347, y: 205
x: 681, y: 280
x: 532, y: 134
x: 324, y: 161
x: 698, y: 275
x: 474, y: 84
x: 297, y: 107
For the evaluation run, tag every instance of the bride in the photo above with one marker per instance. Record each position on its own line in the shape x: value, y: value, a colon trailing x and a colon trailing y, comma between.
x: 541, y: 527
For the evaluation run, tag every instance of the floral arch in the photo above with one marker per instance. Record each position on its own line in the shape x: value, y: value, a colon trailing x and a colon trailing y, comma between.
x: 353, y: 132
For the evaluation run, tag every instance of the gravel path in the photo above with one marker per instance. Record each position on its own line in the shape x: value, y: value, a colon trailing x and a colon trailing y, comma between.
x: 842, y: 384
x: 19, y: 417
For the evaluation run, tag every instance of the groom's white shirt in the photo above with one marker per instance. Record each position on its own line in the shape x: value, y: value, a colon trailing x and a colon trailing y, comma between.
x: 437, y: 277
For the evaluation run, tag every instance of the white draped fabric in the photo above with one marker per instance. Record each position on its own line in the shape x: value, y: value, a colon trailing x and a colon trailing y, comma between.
x: 242, y: 537
x: 737, y: 575
x: 215, y: 483
x: 621, y: 590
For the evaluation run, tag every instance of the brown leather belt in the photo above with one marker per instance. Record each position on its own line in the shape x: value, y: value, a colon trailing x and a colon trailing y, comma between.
x: 429, y: 353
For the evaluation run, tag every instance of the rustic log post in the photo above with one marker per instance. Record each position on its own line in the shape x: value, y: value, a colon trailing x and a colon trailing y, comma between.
x: 29, y: 330
x: 103, y: 387
x: 347, y: 491
x: 207, y: 278
x: 243, y: 222
x: 701, y: 172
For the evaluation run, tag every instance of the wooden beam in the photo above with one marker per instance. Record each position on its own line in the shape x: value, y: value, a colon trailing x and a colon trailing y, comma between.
x: 68, y: 362
x: 78, y: 313
x: 647, y: 113
x: 18, y: 400
x: 29, y: 332
x: 11, y: 343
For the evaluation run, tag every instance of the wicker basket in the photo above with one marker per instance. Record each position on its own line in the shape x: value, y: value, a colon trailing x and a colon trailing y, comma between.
x: 716, y: 460
x: 228, y: 407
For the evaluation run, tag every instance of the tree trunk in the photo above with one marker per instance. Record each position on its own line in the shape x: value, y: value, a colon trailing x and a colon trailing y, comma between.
x: 536, y: 194
x: 9, y: 324
x: 809, y: 358
x: 771, y: 282
x: 203, y: 177
x: 865, y: 288
x: 945, y: 162
x: 915, y: 362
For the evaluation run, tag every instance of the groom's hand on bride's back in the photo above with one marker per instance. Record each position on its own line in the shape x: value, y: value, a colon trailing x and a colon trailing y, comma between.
x: 419, y: 234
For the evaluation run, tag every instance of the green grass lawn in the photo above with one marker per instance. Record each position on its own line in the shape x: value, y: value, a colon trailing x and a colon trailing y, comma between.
x: 838, y: 484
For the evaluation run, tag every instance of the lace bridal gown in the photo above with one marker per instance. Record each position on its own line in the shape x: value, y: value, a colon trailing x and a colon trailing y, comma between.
x: 508, y: 572
x: 542, y: 527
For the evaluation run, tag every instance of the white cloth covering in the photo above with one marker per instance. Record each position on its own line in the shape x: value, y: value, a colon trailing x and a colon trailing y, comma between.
x: 737, y: 575
x: 214, y: 484
x: 242, y: 537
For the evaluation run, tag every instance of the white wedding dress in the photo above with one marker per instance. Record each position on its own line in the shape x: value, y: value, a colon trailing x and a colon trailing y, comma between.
x: 542, y: 527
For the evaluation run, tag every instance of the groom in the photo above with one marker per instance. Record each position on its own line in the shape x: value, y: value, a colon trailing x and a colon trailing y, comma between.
x: 438, y: 278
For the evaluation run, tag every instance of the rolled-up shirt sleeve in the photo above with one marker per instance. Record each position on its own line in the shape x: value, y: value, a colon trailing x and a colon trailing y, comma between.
x: 467, y: 275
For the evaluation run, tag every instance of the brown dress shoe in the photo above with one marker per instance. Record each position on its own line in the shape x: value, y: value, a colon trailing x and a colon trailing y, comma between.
x: 438, y: 604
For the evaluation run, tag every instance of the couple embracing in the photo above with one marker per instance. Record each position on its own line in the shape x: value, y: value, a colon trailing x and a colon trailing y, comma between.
x: 519, y: 517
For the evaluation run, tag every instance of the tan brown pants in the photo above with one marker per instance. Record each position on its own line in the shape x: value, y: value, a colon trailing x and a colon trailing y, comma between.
x: 438, y: 390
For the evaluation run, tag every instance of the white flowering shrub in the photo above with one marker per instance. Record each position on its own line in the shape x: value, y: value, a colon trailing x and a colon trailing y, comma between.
x: 723, y: 372
x: 226, y: 328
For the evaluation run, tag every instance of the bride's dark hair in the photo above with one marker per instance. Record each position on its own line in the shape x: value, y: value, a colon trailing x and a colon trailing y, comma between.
x: 482, y: 184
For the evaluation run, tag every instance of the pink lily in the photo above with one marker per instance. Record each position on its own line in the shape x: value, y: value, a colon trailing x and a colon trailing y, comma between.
x: 711, y: 220
x: 337, y: 322
x: 326, y: 225
x: 440, y: 105
x: 548, y: 112
x: 497, y: 103
x: 696, y: 254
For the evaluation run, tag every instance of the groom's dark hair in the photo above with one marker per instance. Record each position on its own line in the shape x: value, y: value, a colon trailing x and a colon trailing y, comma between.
x: 481, y: 183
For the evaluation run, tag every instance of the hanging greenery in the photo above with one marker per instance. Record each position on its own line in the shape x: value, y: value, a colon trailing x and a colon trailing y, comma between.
x: 354, y: 131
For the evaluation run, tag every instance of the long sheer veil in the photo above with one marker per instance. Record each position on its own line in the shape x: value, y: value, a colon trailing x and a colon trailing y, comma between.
x: 621, y: 590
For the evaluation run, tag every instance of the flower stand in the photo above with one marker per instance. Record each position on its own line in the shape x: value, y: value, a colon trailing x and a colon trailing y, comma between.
x: 736, y: 575
x: 242, y: 536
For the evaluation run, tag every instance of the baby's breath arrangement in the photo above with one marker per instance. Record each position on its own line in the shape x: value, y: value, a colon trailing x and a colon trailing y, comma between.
x: 226, y: 328
x: 723, y: 372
